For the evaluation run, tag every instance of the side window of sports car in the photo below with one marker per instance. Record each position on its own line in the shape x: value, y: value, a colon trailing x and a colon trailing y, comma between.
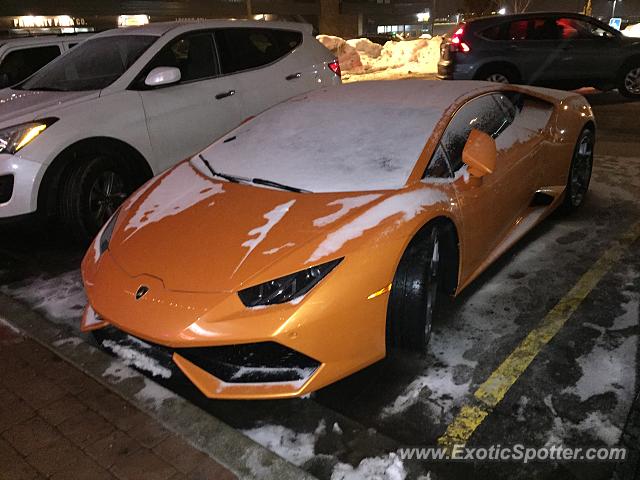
x: 529, y: 117
x: 484, y: 113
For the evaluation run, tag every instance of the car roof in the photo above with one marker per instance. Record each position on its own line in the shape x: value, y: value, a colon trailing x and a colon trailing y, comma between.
x: 526, y: 15
x: 40, y: 39
x: 162, y: 28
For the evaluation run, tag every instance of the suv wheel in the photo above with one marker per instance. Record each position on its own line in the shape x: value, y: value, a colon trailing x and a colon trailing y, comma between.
x: 629, y: 84
x: 93, y: 190
x: 497, y: 74
x: 498, y: 78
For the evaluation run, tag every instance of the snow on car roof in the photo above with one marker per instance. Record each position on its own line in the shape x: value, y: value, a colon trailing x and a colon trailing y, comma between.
x: 363, y: 136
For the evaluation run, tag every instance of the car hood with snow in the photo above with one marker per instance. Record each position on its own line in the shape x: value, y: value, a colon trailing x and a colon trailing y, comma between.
x: 200, y: 234
x: 364, y: 136
x: 18, y: 106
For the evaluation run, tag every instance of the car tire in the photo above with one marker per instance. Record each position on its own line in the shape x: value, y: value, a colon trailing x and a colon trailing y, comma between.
x: 629, y: 80
x: 415, y: 292
x: 95, y: 187
x: 580, y: 170
x: 497, y: 74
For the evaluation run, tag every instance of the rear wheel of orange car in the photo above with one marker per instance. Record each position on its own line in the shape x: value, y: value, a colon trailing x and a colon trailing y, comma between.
x: 416, y: 291
x: 580, y: 170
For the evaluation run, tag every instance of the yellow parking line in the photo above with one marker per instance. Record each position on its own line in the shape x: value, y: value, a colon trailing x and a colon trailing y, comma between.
x: 493, y: 390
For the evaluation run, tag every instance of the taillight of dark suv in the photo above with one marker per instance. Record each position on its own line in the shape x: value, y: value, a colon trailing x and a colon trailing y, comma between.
x: 458, y: 43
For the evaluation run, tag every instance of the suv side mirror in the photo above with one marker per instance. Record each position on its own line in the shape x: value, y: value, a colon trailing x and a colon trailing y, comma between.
x: 480, y: 154
x: 161, y: 76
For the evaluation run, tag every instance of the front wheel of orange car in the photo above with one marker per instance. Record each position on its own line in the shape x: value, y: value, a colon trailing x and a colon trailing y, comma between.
x: 415, y: 292
x: 580, y: 170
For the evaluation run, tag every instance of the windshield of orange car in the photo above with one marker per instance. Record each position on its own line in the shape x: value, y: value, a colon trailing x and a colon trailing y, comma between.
x: 350, y: 138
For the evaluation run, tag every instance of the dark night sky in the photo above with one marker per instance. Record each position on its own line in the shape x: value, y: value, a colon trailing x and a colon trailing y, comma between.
x: 600, y: 7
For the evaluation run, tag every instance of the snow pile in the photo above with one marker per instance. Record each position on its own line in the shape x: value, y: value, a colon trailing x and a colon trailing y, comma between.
x: 361, y: 56
x: 632, y: 30
x: 348, y: 55
x: 364, y: 46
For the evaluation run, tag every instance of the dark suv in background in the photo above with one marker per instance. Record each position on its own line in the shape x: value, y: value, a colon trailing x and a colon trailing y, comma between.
x: 561, y: 50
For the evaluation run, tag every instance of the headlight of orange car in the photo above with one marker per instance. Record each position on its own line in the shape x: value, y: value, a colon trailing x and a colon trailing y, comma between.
x: 288, y: 288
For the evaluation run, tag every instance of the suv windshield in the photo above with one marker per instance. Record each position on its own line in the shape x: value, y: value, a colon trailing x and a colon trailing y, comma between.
x: 92, y: 65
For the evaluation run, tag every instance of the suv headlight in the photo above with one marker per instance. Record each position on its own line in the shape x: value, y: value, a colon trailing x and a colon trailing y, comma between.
x: 12, y: 139
x: 285, y: 289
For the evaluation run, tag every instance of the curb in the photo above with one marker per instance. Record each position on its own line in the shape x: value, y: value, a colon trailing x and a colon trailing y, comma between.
x: 233, y: 450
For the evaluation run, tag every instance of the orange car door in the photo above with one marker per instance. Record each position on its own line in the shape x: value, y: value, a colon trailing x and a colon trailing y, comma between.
x: 488, y: 207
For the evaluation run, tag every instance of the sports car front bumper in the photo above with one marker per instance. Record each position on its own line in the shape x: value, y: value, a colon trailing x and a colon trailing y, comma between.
x: 230, y: 351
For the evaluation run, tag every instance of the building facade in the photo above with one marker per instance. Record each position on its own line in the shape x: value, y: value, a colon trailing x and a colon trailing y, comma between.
x: 346, y: 18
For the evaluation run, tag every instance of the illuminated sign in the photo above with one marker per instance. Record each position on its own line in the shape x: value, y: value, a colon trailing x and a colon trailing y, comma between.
x: 132, y: 20
x: 615, y: 22
x: 30, y: 21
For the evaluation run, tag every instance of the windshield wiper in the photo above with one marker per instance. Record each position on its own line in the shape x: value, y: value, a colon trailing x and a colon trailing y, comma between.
x: 257, y: 181
x: 229, y: 178
x: 281, y: 186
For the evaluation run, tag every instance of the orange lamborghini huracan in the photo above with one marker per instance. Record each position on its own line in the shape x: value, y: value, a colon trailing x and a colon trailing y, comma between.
x: 304, y: 244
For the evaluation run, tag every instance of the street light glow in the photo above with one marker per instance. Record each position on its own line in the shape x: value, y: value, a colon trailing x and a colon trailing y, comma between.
x: 502, y: 11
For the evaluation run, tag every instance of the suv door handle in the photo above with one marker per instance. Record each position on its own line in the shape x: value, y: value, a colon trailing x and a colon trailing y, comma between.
x: 293, y: 76
x: 230, y: 93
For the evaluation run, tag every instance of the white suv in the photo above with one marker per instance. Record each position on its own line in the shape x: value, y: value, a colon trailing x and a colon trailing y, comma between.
x: 78, y: 136
x: 21, y: 57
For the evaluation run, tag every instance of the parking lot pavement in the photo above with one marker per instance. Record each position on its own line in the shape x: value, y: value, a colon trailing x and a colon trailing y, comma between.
x: 577, y: 390
x: 56, y: 422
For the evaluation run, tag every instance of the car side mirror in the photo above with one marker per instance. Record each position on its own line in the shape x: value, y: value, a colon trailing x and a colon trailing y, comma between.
x: 480, y: 154
x: 161, y: 76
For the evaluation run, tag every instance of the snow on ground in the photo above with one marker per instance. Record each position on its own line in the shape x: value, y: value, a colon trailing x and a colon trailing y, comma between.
x: 361, y: 58
x: 119, y: 372
x: 299, y: 447
x: 60, y: 298
x: 154, y: 395
x: 610, y: 366
x: 388, y: 467
x: 632, y: 30
x: 295, y: 447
